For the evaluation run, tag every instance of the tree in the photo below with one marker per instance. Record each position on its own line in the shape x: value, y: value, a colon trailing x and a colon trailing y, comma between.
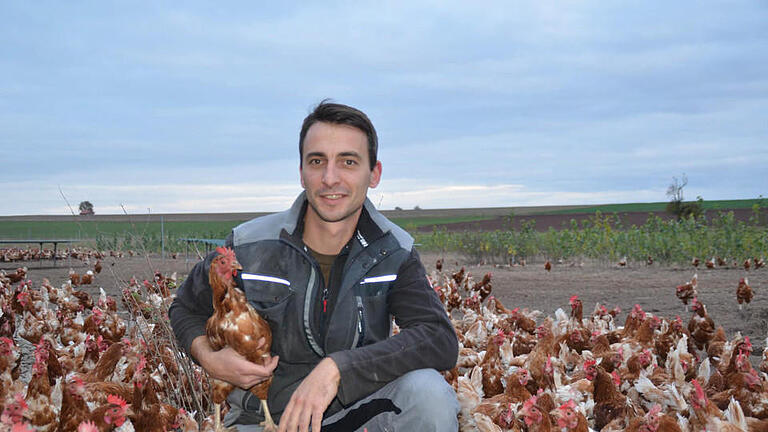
x: 86, y: 208
x: 676, y: 205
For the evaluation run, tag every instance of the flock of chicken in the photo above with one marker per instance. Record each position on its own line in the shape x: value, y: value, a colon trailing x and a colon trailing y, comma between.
x: 577, y: 373
x: 90, y: 371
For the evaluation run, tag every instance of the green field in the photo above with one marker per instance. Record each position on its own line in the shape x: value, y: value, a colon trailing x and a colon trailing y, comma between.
x: 109, y: 234
x: 410, y: 223
x: 662, y: 206
x: 92, y: 229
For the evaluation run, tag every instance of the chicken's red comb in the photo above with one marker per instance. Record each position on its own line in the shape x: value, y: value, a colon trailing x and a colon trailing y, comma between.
x: 530, y: 402
x: 695, y: 301
x: 20, y: 400
x: 699, y: 391
x: 568, y: 405
x: 7, y: 340
x: 616, y: 377
x: 589, y: 363
x: 573, y: 299
x: 142, y: 364
x: 227, y: 252
x: 747, y: 343
x: 22, y: 427
x: 87, y: 426
x: 655, y: 410
x: 116, y: 400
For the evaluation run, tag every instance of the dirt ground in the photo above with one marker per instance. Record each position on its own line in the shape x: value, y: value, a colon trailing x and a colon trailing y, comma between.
x: 526, y: 287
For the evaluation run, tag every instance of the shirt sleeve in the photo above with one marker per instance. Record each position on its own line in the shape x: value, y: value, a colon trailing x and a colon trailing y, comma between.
x: 193, y: 304
x: 426, y: 339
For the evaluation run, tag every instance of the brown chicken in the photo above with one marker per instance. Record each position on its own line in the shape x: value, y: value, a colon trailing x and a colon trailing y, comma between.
x: 483, y: 288
x: 111, y: 415
x: 236, y: 324
x: 610, y: 403
x: 20, y: 274
x: 73, y: 407
x: 705, y: 412
x: 548, y: 266
x: 492, y: 367
x: 743, y: 292
x: 534, y: 418
x: 701, y: 326
x: 569, y: 419
x: 687, y: 291
x: 74, y: 278
x: 43, y: 413
x: 654, y: 421
x: 87, y: 278
x: 500, y: 407
x: 710, y: 263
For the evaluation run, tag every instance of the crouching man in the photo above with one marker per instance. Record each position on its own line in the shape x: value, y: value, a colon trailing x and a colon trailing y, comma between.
x: 328, y: 275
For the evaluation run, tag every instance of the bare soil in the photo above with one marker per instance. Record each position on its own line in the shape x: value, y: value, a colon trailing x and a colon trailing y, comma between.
x: 652, y: 287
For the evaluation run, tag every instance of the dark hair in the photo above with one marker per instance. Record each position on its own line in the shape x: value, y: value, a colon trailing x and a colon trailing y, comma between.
x: 328, y: 112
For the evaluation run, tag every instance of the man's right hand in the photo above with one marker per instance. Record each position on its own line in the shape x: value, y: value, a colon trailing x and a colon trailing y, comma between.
x: 228, y: 365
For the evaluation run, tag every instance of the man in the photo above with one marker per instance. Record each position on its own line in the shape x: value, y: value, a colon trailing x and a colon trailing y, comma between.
x: 327, y: 275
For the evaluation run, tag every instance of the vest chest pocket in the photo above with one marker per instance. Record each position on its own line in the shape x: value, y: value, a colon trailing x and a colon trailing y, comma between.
x: 372, y: 293
x: 266, y: 293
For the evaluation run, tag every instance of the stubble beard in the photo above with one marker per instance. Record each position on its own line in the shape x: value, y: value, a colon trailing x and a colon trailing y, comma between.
x: 332, y: 220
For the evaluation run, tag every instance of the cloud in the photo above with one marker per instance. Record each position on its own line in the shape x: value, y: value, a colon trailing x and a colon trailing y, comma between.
x: 520, y: 104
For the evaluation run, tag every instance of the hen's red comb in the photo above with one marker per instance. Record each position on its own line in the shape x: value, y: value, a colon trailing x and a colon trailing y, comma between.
x: 226, y: 252
x: 116, y: 400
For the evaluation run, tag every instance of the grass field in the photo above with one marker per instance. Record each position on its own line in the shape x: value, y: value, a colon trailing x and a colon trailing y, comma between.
x: 92, y: 229
x: 662, y: 206
x: 12, y: 229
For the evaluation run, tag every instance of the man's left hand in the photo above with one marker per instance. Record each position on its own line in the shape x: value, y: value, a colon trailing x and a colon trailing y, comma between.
x: 311, y: 398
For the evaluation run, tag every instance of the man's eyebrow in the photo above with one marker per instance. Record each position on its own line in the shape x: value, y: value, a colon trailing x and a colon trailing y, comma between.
x: 314, y: 154
x: 350, y: 154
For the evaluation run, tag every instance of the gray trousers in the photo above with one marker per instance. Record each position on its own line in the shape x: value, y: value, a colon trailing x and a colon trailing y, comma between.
x: 420, y: 400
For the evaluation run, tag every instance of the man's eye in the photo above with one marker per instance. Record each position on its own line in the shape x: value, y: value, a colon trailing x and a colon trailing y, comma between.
x: 349, y: 162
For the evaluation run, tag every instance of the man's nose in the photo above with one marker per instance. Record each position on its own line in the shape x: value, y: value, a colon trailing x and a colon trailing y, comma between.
x: 330, y: 175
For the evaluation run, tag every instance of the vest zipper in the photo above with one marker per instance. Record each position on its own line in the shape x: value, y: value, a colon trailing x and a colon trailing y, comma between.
x: 325, y: 300
x: 360, y: 333
x: 308, y: 294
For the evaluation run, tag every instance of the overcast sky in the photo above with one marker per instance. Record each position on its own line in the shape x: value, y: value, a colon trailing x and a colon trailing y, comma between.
x: 196, y: 106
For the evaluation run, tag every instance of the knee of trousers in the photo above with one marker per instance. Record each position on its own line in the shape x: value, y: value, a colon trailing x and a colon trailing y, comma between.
x: 430, y: 395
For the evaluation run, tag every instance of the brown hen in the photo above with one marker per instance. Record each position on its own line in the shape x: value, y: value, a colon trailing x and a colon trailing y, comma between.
x: 236, y: 324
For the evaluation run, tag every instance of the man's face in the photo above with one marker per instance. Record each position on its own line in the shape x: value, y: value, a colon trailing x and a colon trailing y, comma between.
x: 336, y: 170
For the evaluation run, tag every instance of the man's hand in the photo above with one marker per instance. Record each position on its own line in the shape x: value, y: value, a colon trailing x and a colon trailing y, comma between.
x: 311, y: 398
x: 228, y: 365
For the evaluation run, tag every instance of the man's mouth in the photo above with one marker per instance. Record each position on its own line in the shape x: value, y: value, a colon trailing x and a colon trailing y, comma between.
x: 332, y: 196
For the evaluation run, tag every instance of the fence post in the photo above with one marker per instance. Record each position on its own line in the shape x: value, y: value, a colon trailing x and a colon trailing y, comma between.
x: 162, y: 237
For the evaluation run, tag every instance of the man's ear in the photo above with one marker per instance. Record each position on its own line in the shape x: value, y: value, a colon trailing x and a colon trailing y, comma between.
x: 301, y: 177
x: 375, y: 175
